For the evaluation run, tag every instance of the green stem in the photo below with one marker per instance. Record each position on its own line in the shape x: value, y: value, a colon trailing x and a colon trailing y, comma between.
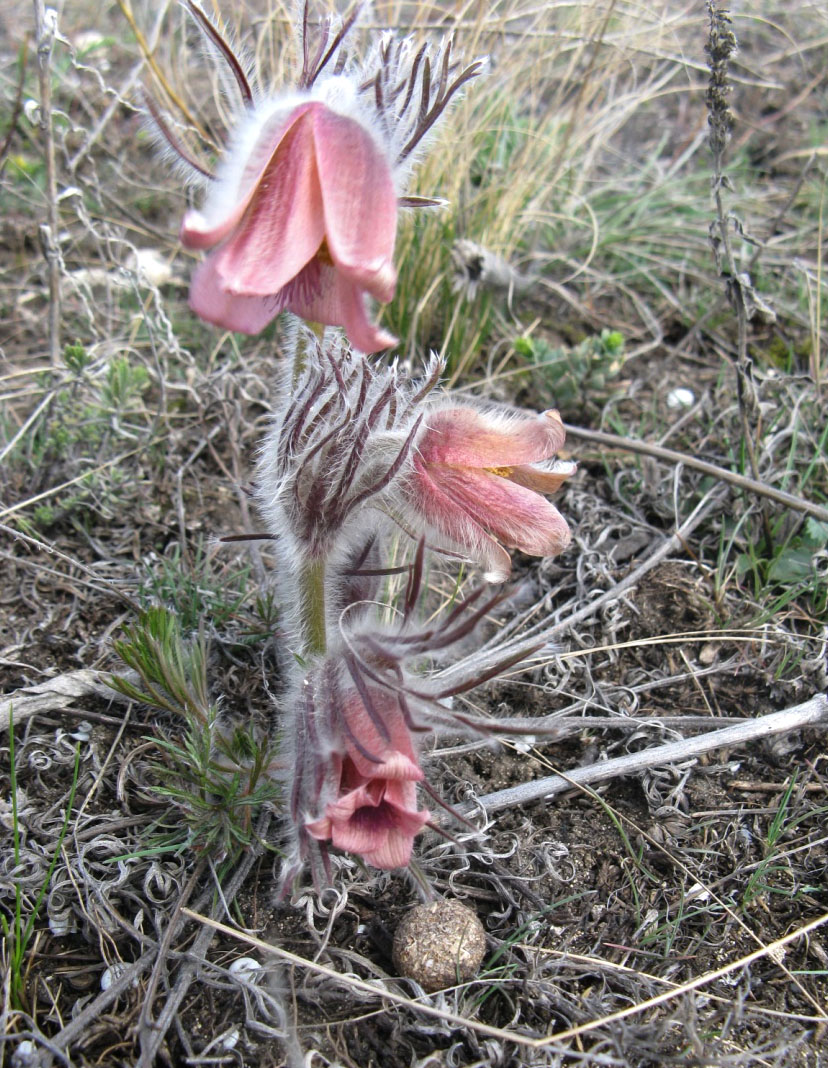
x: 312, y: 607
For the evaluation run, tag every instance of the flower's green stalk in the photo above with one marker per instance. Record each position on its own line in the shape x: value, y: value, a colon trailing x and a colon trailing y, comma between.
x: 312, y: 606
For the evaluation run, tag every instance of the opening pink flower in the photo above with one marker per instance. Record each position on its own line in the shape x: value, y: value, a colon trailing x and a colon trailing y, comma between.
x: 375, y: 810
x: 376, y: 818
x: 304, y: 217
x: 476, y: 483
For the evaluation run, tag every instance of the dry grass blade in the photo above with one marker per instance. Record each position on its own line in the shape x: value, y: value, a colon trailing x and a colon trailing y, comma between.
x: 772, y: 950
x: 374, y: 989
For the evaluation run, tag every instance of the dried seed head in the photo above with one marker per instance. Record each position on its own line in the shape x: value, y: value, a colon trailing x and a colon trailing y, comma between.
x: 721, y: 45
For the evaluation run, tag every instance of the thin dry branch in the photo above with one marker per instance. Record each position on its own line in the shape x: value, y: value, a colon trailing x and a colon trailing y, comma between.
x: 613, y: 441
x: 812, y: 713
x: 132, y: 972
x: 101, y: 585
x: 45, y: 33
x: 153, y: 1032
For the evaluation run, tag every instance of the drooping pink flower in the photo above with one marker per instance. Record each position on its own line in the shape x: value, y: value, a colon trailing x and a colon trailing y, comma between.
x: 374, y: 812
x: 476, y: 483
x: 377, y: 818
x: 302, y: 217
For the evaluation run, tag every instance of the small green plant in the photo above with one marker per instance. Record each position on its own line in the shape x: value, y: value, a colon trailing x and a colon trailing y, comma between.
x: 573, y: 374
x: 76, y: 357
x: 773, y: 875
x: 264, y: 620
x: 196, y: 590
x: 17, y: 932
x: 91, y: 415
x: 214, y: 776
x: 795, y: 571
x: 124, y: 384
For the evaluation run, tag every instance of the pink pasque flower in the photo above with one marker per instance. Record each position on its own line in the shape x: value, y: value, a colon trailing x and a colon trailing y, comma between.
x: 302, y: 217
x: 375, y: 810
x: 476, y: 484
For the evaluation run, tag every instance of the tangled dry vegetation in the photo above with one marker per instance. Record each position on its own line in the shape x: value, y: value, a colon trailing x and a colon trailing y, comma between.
x: 673, y: 914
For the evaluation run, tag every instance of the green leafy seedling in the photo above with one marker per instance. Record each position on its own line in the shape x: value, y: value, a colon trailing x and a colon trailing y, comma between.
x: 574, y: 374
x: 214, y: 777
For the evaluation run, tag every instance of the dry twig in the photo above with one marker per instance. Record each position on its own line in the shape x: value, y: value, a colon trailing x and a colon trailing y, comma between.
x: 812, y: 713
x: 45, y: 33
x: 613, y: 441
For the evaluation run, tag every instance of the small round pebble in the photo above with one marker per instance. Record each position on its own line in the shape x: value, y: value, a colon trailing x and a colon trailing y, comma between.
x: 439, y: 944
x: 680, y: 398
x: 245, y: 968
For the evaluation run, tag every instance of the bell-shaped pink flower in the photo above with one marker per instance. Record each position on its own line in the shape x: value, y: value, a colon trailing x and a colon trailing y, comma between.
x: 375, y: 817
x: 477, y: 485
x: 303, y: 218
x: 375, y: 810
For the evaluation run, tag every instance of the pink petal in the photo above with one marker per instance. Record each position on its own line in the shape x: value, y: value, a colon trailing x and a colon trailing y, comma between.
x: 411, y: 823
x: 362, y: 815
x: 361, y: 332
x: 354, y: 838
x: 516, y: 516
x: 395, y: 852
x: 210, y: 301
x: 342, y: 809
x: 200, y: 231
x: 394, y: 766
x: 469, y: 438
x: 283, y: 226
x: 397, y: 752
x: 197, y: 233
x: 453, y: 521
x: 402, y: 794
x: 381, y: 835
x: 541, y: 480
x: 340, y: 302
x: 360, y: 202
x: 319, y: 829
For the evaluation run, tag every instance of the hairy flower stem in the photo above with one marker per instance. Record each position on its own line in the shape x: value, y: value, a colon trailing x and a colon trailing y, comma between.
x: 312, y: 606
